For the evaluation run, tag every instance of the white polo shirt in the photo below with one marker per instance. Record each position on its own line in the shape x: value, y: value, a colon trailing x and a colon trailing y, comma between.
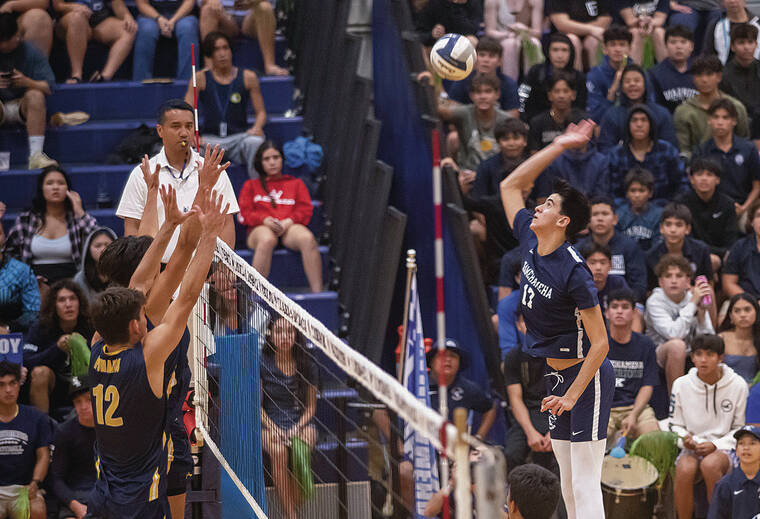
x: 135, y: 193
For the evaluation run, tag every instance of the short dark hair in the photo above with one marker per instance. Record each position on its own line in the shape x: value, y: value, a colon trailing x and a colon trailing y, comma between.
x: 641, y: 175
x: 706, y: 342
x: 114, y: 308
x: 706, y: 64
x: 509, y: 126
x: 723, y: 103
x: 574, y: 205
x: 10, y: 368
x: 534, y: 490
x: 672, y: 260
x: 617, y: 33
x: 591, y: 247
x: 172, y: 104
x: 485, y: 80
x: 676, y: 210
x: 8, y: 26
x: 621, y: 294
x: 679, y: 31
x: 562, y: 75
x: 705, y: 164
x: 488, y: 44
x: 209, y: 42
x: 743, y: 31
x: 603, y: 199
x: 120, y: 258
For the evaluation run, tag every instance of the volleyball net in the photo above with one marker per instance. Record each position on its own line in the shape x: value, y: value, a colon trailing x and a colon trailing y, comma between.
x: 302, y: 425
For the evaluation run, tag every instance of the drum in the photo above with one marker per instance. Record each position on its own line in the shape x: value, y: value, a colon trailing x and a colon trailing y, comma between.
x: 628, y: 487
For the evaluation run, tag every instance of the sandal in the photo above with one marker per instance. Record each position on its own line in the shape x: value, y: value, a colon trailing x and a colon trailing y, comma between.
x: 73, y: 80
x: 96, y: 77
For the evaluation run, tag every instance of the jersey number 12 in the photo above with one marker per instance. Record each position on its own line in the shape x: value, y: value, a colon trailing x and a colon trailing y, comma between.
x: 111, y: 395
x: 527, y: 298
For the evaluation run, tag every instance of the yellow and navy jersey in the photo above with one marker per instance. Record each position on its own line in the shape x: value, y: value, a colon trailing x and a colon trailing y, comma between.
x: 130, y: 442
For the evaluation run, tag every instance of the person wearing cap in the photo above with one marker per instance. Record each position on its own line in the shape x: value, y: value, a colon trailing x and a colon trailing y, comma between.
x: 73, y: 473
x: 462, y: 392
x: 736, y: 495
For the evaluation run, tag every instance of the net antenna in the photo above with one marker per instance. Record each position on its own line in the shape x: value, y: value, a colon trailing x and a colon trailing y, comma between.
x: 195, y: 102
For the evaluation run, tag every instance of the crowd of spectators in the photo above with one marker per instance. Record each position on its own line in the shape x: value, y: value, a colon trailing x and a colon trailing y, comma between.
x: 673, y: 180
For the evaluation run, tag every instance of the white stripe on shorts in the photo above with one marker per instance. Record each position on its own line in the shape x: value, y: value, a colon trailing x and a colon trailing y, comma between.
x: 597, y: 406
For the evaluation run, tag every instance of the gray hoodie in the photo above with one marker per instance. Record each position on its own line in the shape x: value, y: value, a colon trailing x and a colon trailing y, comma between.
x: 87, y: 269
x: 669, y: 320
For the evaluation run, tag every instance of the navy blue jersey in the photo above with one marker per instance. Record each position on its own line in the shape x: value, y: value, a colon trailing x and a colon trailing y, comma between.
x: 177, y: 377
x: 130, y: 443
x: 554, y: 289
x: 19, y: 440
x: 635, y: 365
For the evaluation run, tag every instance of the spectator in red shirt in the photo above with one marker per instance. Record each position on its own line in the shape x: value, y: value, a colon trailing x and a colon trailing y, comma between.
x: 276, y: 208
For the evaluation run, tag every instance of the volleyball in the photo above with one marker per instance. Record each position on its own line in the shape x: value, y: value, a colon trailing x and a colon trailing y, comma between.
x: 453, y: 57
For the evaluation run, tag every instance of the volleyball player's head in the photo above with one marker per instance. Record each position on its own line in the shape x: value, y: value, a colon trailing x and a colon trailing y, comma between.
x: 565, y: 213
x: 119, y: 316
x: 120, y: 259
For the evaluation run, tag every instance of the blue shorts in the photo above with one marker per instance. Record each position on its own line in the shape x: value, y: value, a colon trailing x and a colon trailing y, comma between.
x: 588, y: 419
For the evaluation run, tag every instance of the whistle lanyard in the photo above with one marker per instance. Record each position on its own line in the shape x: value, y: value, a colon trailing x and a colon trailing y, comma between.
x: 222, y: 106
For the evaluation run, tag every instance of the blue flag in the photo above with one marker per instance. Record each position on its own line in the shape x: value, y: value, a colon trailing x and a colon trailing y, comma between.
x: 417, y: 449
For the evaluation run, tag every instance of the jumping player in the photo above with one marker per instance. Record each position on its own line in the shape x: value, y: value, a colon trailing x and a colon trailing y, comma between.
x: 127, y: 374
x: 564, y: 323
x: 119, y: 263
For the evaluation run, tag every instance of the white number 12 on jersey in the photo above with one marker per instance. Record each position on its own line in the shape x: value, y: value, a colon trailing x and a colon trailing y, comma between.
x: 527, y: 298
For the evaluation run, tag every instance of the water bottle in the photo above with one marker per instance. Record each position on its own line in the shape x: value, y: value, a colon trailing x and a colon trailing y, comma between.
x: 706, y: 300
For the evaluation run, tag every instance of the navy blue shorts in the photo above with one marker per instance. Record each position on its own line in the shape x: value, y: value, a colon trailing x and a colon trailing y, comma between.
x: 588, y: 419
x: 181, y: 467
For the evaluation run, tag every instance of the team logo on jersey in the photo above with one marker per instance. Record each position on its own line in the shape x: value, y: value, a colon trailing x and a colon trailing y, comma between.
x: 235, y: 97
x: 591, y: 8
x: 727, y: 405
x: 739, y: 159
x: 552, y: 421
x: 457, y: 393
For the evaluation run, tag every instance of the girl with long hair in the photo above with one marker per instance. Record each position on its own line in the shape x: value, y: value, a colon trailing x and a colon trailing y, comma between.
x: 50, y: 236
x: 741, y: 335
x: 289, y: 401
x: 276, y: 209
x: 88, y: 278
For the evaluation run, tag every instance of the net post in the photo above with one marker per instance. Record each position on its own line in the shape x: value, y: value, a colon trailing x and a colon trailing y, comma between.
x: 444, y: 469
x: 462, y: 490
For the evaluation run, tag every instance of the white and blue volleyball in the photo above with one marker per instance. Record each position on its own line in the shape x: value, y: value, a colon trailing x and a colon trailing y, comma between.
x: 453, y: 57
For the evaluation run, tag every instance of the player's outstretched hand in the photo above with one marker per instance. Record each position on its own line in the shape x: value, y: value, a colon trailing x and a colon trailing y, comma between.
x: 576, y: 135
x: 151, y: 179
x: 171, y: 212
x: 212, y: 213
x: 557, y: 405
x: 209, y: 173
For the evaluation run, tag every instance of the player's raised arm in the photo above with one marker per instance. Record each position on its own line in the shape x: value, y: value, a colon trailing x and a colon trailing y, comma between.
x: 149, y: 221
x: 160, y: 341
x: 525, y: 174
x: 148, y: 269
x: 167, y: 282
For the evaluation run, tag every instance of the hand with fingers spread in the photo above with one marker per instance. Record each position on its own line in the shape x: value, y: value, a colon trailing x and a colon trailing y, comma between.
x: 172, y: 213
x: 211, y: 170
x: 151, y: 179
x: 212, y: 214
x: 576, y: 135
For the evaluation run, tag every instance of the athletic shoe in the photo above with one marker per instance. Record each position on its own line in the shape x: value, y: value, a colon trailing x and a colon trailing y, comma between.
x: 39, y: 160
x: 69, y: 118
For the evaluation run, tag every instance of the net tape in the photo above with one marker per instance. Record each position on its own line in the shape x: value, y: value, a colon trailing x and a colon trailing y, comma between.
x: 383, y: 386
